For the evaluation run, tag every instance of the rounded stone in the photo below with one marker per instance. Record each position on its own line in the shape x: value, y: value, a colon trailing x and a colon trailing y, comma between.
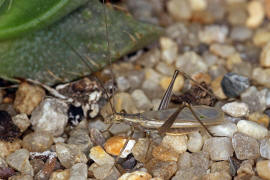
x: 37, y: 141
x: 233, y: 84
x: 236, y: 109
x: 263, y: 169
x: 252, y: 129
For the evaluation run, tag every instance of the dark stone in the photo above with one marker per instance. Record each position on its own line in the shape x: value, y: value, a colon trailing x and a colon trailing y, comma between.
x: 8, y: 130
x: 233, y: 84
x: 129, y: 162
x: 75, y: 114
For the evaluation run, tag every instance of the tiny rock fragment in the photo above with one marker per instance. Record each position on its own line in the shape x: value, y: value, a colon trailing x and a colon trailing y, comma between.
x: 195, y: 142
x: 245, y: 147
x: 28, y: 98
x: 100, y: 157
x: 78, y: 171
x: 217, y: 88
x: 44, y: 116
x: 19, y: 160
x: 60, y: 174
x: 115, y: 144
x: 176, y: 143
x: 265, y: 148
x: 178, y: 85
x: 261, y: 76
x: 163, y: 170
x: 179, y: 10
x: 37, y: 141
x: 219, y: 148
x: 7, y: 148
x: 22, y: 121
x: 236, y: 109
x: 263, y: 169
x: 164, y: 153
x: 252, y: 129
x: 226, y: 129
x: 233, y: 84
x: 136, y: 175
x: 69, y: 154
x: 169, y: 50
x: 80, y: 138
x: 141, y: 100
x: 256, y: 14
x: 265, y: 56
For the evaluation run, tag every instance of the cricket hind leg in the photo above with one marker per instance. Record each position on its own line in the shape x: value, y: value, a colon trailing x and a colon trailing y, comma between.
x: 167, y: 95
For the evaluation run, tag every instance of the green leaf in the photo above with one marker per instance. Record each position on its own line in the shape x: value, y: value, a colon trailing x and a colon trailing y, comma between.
x: 43, y: 55
x: 20, y: 16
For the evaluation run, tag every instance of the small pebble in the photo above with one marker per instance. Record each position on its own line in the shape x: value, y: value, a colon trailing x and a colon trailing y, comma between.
x: 105, y: 171
x: 226, y: 129
x: 7, y: 148
x: 60, y: 175
x: 169, y: 50
x: 179, y: 10
x: 213, y: 33
x: 259, y: 118
x: 44, y: 116
x: 178, y: 85
x: 252, y: 129
x: 201, y: 77
x: 163, y: 170
x: 189, y: 173
x: 164, y: 153
x: 198, y: 5
x: 118, y: 128
x: 263, y: 169
x: 140, y: 149
x: 80, y: 138
x: 261, y: 76
x: 150, y: 58
x: 233, y: 60
x: 191, y: 61
x: 217, y: 89
x: 136, y: 175
x: 37, y: 141
x: 220, y: 166
x: 98, y: 124
x: 219, y: 148
x: 265, y: 148
x: 265, y: 56
x: 246, y: 167
x: 245, y: 147
x: 19, y: 160
x: 78, y: 172
x: 261, y: 38
x: 176, y: 143
x: 240, y: 33
x: 256, y: 14
x: 195, y: 142
x: 217, y: 176
x: 100, y: 157
x: 141, y: 100
x: 69, y: 154
x: 255, y: 99
x: 233, y: 84
x: 115, y: 144
x: 21, y: 177
x: 236, y: 109
x: 28, y: 98
x: 222, y: 50
x: 165, y: 69
x: 22, y: 121
x: 122, y: 83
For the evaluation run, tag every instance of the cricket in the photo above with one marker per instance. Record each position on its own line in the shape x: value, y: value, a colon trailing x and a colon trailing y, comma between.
x: 180, y: 120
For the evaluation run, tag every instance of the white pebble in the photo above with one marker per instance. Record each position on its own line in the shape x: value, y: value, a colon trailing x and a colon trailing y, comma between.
x: 141, y: 100
x: 236, y: 109
x: 252, y: 129
x: 226, y: 129
x: 176, y: 143
x: 128, y: 148
x: 195, y: 142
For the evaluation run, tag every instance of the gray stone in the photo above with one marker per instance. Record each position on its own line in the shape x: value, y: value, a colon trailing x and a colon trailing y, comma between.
x: 122, y: 83
x: 78, y: 172
x: 222, y: 50
x: 219, y: 148
x: 236, y: 109
x: 119, y: 128
x: 37, y: 141
x: 22, y: 121
x: 265, y: 148
x: 240, y: 33
x: 80, y: 137
x: 69, y: 154
x: 105, y: 171
x: 213, y: 33
x: 100, y: 157
x: 139, y: 151
x: 98, y: 124
x: 19, y: 160
x: 162, y: 169
x: 255, y: 99
x: 141, y: 100
x: 189, y: 173
x: 245, y: 147
x: 50, y: 116
x: 233, y: 84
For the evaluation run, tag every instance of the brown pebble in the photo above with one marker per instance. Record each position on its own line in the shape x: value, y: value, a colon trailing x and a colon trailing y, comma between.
x: 28, y: 98
x: 217, y: 89
x: 114, y: 145
x: 263, y: 169
x: 164, y: 154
